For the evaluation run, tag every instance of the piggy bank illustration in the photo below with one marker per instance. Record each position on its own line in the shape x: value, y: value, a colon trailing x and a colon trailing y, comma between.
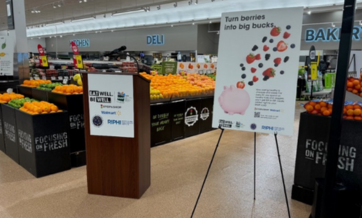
x: 234, y: 100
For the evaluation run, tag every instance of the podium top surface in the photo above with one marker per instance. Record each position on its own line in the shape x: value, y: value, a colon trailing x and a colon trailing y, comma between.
x: 120, y: 74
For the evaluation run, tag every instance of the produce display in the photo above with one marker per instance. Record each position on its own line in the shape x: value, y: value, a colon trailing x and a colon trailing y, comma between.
x: 351, y: 111
x: 18, y: 103
x: 6, y: 97
x: 68, y: 89
x: 355, y: 86
x: 179, y: 86
x: 35, y: 83
x: 48, y: 86
x: 42, y: 107
x: 78, y: 79
x: 212, y: 76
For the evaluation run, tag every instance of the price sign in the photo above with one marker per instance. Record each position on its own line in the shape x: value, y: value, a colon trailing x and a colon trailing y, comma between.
x: 36, y: 78
x: 9, y: 90
x: 53, y: 78
x: 65, y: 81
x: 79, y: 61
x: 60, y: 77
x: 44, y: 78
x: 44, y: 61
x: 66, y: 77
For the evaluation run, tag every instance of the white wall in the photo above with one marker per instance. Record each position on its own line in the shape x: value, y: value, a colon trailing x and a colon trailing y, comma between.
x: 33, y: 44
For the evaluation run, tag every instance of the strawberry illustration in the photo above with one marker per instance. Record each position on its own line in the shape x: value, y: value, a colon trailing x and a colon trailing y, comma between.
x: 286, y: 35
x: 253, y: 70
x: 250, y: 58
x: 282, y: 46
x: 277, y: 60
x: 240, y: 85
x: 255, y: 79
x: 257, y: 57
x: 265, y: 48
x: 275, y: 31
x: 270, y: 72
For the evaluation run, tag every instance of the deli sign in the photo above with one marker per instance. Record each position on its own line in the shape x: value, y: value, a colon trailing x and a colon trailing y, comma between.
x: 331, y: 34
x: 155, y: 39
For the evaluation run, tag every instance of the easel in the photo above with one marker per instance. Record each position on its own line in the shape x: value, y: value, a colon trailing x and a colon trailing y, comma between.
x: 212, y: 159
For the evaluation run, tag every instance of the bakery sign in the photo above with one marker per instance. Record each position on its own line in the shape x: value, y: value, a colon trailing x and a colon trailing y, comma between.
x: 330, y: 34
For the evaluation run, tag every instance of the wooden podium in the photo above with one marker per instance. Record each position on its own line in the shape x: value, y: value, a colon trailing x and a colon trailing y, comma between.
x: 119, y: 166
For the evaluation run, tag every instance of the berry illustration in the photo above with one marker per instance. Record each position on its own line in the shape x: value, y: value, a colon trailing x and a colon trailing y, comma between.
x: 276, y: 65
x: 241, y: 65
x: 292, y: 45
x: 243, y: 68
x: 286, y: 59
x: 282, y: 72
x: 286, y: 35
x: 260, y: 65
x: 255, y: 79
x: 265, y: 48
x: 266, y: 78
x: 264, y: 39
x: 243, y: 76
x: 240, y: 85
x: 251, y: 83
x: 250, y: 58
x: 277, y: 61
x: 271, y: 40
x: 282, y: 46
x: 257, y: 57
x: 270, y: 72
x: 253, y: 70
x: 255, y: 48
x: 275, y: 49
x: 275, y: 31
x: 267, y: 56
x: 288, y: 27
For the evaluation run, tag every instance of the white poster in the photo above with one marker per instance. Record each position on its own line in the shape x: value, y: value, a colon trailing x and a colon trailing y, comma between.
x: 6, y: 56
x: 257, y: 70
x: 111, y: 105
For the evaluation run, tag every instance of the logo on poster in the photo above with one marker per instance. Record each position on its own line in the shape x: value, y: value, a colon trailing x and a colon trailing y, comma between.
x: 118, y: 113
x: 120, y: 122
x: 204, y: 113
x: 239, y: 125
x: 97, y: 121
x: 109, y: 106
x: 191, y: 116
x: 225, y: 124
x: 253, y: 126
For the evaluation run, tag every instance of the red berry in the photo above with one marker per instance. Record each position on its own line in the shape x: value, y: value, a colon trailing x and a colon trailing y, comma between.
x: 253, y: 70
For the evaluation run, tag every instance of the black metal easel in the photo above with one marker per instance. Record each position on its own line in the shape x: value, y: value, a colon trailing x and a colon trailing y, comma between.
x: 212, y: 159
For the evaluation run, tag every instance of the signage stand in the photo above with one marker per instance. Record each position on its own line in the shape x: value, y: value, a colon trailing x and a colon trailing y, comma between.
x: 212, y: 160
x: 120, y: 166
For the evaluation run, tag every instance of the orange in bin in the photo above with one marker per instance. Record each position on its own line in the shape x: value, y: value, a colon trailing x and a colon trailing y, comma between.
x: 69, y: 89
x: 42, y: 107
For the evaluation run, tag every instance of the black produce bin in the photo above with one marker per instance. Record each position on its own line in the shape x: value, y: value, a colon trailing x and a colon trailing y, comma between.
x: 160, y: 123
x: 2, y: 132
x: 40, y: 95
x: 311, y: 155
x: 73, y: 104
x: 43, y: 142
x: 178, y: 120
x: 206, y: 107
x: 192, y: 117
x: 11, y: 132
x: 26, y: 91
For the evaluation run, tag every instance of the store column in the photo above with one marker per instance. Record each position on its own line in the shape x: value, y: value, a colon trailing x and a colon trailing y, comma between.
x: 16, y: 21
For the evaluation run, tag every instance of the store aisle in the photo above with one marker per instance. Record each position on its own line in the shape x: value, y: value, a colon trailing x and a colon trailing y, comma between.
x: 177, y: 173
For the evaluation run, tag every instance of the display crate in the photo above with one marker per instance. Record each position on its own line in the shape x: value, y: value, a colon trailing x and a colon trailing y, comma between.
x: 10, y: 132
x: 2, y: 132
x: 43, y: 142
x: 178, y: 120
x: 40, y: 95
x: 26, y: 91
x: 206, y: 111
x: 74, y: 105
x: 192, y: 117
x: 160, y: 123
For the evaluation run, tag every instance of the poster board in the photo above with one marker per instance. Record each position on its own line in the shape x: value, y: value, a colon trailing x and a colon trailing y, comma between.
x: 111, y: 105
x: 6, y: 56
x: 257, y: 70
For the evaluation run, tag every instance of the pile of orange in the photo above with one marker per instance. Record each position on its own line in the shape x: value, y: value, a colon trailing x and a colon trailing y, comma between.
x: 180, y: 86
x: 42, y: 107
x: 350, y: 112
x: 68, y: 89
x: 35, y: 83
x: 6, y: 97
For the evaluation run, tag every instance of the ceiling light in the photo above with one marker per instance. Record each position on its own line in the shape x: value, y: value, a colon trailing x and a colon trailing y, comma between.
x: 84, y: 19
x: 39, y: 37
x: 73, y: 34
x: 127, y: 12
x: 333, y: 25
x: 61, y: 36
x: 210, y: 21
x: 309, y: 12
x: 112, y: 31
x: 32, y: 11
x: 54, y: 6
x: 84, y: 0
x: 193, y: 23
x: 172, y: 25
x: 360, y: 22
x: 80, y: 2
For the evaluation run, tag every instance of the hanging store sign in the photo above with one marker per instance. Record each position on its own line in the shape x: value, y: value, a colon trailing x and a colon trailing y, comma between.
x: 81, y: 42
x: 331, y: 34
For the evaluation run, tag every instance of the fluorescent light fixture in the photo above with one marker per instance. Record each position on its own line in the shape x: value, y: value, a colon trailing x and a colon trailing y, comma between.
x: 61, y: 36
x: 127, y: 12
x: 309, y: 12
x: 84, y: 19
x: 85, y: 1
x: 333, y: 25
x: 54, y: 6
x: 172, y: 25
x: 193, y: 23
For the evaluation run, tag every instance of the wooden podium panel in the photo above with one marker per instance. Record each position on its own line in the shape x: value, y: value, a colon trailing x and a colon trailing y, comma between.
x: 118, y: 166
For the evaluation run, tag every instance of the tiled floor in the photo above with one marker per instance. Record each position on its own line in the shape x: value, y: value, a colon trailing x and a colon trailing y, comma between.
x: 177, y: 173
